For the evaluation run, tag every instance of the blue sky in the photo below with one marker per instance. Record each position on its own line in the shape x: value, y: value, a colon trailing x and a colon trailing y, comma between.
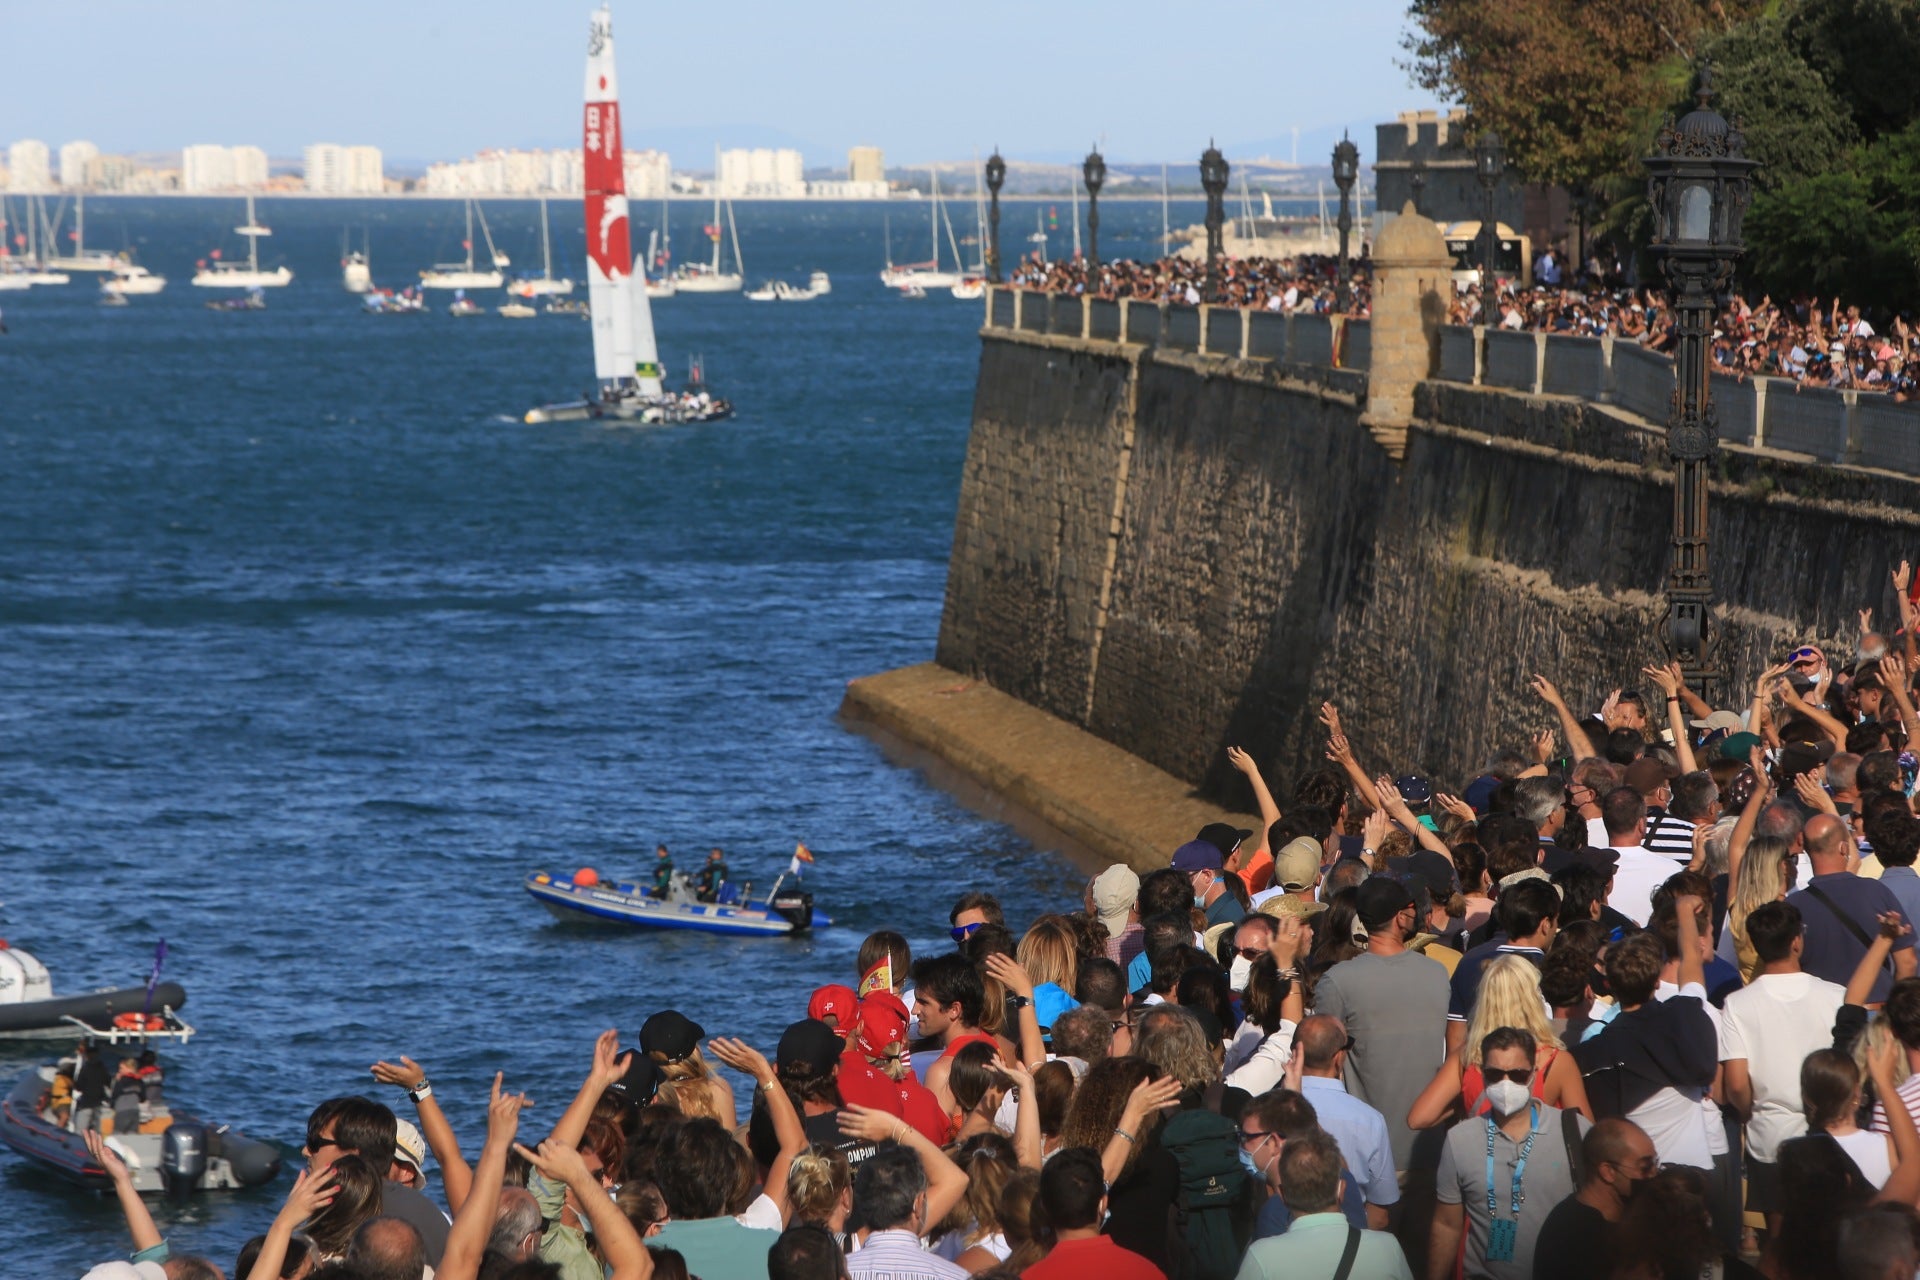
x: 436, y: 79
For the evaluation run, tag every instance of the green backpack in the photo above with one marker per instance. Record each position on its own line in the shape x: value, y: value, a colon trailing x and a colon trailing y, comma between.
x: 1211, y: 1220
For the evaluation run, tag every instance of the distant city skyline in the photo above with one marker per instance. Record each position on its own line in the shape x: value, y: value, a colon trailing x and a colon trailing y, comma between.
x: 437, y: 80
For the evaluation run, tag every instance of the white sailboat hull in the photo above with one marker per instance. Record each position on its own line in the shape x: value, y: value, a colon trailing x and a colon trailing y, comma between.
x: 661, y: 288
x: 223, y: 277
x: 14, y: 284
x: 708, y: 282
x: 918, y: 278
x: 137, y: 282
x: 461, y: 278
x: 357, y: 277
x: 87, y: 262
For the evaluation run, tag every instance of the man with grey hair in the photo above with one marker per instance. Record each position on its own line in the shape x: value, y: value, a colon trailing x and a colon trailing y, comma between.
x: 1541, y: 803
x: 1344, y: 874
x: 890, y: 1196
x: 1171, y: 1040
x: 516, y: 1224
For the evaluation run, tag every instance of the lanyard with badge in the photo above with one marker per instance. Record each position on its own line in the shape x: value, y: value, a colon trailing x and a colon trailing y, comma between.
x: 1503, y: 1233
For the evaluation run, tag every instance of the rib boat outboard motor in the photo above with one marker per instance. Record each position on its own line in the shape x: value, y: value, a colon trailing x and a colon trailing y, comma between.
x: 794, y: 906
x: 183, y: 1158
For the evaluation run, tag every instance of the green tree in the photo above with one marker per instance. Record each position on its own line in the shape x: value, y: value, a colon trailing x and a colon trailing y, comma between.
x: 1853, y: 231
x: 1796, y: 126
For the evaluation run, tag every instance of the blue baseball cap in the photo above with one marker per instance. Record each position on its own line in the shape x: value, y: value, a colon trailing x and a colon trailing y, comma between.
x: 1198, y: 855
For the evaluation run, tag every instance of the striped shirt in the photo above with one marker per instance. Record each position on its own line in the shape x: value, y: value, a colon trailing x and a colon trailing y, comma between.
x: 1670, y: 837
x: 899, y: 1255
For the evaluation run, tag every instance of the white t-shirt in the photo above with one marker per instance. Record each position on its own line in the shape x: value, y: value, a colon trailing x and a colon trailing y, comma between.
x: 1869, y: 1151
x: 1635, y: 878
x: 1773, y: 1024
x: 1263, y: 1068
x: 1673, y: 1119
x: 1709, y: 1109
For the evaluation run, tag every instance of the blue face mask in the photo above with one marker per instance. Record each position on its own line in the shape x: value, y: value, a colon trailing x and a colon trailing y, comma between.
x: 1253, y: 1170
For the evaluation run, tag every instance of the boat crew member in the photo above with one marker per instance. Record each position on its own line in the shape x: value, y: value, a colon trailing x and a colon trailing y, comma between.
x: 126, y: 1098
x: 153, y: 1094
x: 712, y: 876
x: 90, y: 1085
x: 662, y: 871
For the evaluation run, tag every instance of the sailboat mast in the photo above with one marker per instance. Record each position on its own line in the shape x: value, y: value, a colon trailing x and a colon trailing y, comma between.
x: 733, y: 232
x: 1166, y: 236
x: 546, y: 243
x: 1074, y: 190
x: 80, y: 225
x: 716, y: 211
x: 469, y: 237
x: 253, y: 240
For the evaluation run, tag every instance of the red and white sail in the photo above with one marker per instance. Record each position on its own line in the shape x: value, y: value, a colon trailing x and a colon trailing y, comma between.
x: 623, y: 343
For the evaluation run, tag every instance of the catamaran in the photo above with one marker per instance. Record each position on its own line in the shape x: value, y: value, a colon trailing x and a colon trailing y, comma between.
x: 544, y: 283
x: 463, y: 275
x: 626, y: 361
x: 216, y: 274
x: 925, y: 275
x: 699, y: 277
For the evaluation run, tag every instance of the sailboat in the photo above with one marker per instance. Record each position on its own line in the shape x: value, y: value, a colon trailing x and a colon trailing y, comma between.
x: 698, y: 277
x: 34, y: 270
x: 660, y: 286
x: 98, y: 260
x: 463, y: 275
x: 544, y: 283
x: 356, y: 265
x: 626, y: 360
x: 232, y: 275
x: 924, y: 275
x: 973, y: 280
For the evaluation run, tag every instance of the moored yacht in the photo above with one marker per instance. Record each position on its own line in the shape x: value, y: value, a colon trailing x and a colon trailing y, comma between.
x: 215, y: 274
x: 464, y: 275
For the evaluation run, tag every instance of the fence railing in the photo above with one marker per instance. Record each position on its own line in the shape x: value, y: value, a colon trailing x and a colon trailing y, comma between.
x: 1326, y: 341
x: 1857, y: 428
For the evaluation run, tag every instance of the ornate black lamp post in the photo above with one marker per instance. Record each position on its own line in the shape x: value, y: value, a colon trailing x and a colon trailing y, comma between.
x: 1214, y: 171
x: 1417, y: 182
x: 1698, y: 183
x: 1346, y: 167
x: 1094, y: 170
x: 1489, y: 162
x: 996, y: 175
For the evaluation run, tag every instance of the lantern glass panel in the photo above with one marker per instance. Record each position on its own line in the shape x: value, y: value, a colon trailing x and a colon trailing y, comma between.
x: 1693, y: 213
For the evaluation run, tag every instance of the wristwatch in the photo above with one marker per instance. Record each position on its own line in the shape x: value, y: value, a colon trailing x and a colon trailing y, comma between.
x: 420, y: 1092
x: 1019, y: 1002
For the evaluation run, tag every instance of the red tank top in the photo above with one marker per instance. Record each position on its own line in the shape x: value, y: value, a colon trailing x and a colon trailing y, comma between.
x: 1473, y: 1086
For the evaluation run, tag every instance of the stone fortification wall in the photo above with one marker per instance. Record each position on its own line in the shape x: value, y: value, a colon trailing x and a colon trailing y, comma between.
x: 1178, y: 552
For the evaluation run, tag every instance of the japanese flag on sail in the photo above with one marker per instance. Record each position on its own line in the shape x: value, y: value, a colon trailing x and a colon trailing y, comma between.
x: 800, y: 854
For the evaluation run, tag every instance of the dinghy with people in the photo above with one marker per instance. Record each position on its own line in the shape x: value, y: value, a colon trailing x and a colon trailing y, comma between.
x: 679, y: 900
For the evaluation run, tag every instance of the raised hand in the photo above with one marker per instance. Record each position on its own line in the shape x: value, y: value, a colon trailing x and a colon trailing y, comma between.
x: 742, y: 1057
x: 1339, y: 750
x: 1289, y: 943
x: 1665, y: 678
x: 1610, y: 710
x: 1015, y: 1071
x: 1011, y: 974
x: 1545, y: 690
x: 1455, y: 805
x: 869, y: 1124
x: 1768, y: 676
x: 1150, y: 1096
x: 503, y: 1112
x: 1375, y: 829
x: 559, y: 1162
x: 608, y: 1069
x: 106, y: 1157
x: 1390, y: 798
x: 1330, y: 717
x: 311, y: 1193
x: 1813, y: 794
x: 407, y: 1074
x: 1241, y: 761
x: 1866, y: 622
x: 1902, y: 576
x: 1542, y: 743
x: 1893, y: 925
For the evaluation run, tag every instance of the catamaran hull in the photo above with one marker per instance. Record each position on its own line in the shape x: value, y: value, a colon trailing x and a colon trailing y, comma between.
x: 243, y: 279
x: 624, y: 905
x: 539, y: 288
x: 662, y: 413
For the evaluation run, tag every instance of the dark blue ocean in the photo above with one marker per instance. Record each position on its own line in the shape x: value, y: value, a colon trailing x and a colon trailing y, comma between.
x: 310, y: 650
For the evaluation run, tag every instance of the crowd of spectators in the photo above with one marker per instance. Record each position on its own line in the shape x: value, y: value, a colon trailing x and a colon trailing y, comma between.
x: 1303, y: 285
x: 1798, y: 340
x: 1636, y: 999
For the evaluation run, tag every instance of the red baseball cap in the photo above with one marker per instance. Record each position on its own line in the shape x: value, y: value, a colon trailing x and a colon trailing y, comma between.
x: 835, y: 1005
x: 882, y: 1024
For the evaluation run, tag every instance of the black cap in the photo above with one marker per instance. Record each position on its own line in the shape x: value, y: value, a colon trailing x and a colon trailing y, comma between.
x: 1223, y: 836
x: 1380, y: 899
x: 812, y: 1045
x: 1414, y: 789
x: 671, y: 1034
x: 642, y: 1080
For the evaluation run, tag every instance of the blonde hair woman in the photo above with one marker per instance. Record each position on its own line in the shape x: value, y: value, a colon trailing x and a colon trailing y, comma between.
x: 689, y: 1086
x: 1509, y: 996
x: 1050, y: 952
x: 1762, y: 878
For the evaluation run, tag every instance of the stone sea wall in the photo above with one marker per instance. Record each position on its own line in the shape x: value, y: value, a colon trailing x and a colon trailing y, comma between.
x: 1178, y: 552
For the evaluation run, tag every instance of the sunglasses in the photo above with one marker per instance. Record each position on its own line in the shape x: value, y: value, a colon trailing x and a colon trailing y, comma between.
x: 1244, y: 1136
x: 1494, y: 1075
x: 315, y: 1141
x: 960, y: 933
x: 1251, y: 953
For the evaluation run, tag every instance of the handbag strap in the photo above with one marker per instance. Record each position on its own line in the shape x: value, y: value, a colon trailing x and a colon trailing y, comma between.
x: 1348, y: 1254
x: 1852, y: 925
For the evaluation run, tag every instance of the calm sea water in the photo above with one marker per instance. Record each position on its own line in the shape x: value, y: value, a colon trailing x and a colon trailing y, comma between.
x: 309, y: 651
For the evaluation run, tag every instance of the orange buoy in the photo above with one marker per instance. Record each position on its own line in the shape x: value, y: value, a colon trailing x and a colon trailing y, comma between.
x: 586, y: 878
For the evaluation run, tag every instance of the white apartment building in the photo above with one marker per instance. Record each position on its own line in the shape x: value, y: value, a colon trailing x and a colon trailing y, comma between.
x: 74, y: 159
x: 28, y: 166
x: 334, y: 170
x: 535, y: 173
x: 762, y: 171
x: 208, y: 167
x: 867, y: 164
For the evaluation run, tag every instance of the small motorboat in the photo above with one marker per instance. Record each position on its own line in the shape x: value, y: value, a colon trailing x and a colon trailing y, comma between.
x: 30, y: 1011
x: 911, y: 291
x: 970, y: 289
x: 465, y: 306
x: 172, y: 1152
x: 516, y: 311
x: 108, y: 299
x: 253, y: 300
x: 820, y: 283
x: 568, y: 307
x: 583, y: 896
x: 388, y: 302
x: 764, y: 293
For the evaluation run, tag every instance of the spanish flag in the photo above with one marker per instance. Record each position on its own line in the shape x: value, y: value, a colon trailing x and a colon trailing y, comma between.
x: 800, y: 854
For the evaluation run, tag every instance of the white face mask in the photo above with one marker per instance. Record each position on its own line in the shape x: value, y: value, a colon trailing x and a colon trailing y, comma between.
x: 1507, y: 1097
x: 1237, y: 973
